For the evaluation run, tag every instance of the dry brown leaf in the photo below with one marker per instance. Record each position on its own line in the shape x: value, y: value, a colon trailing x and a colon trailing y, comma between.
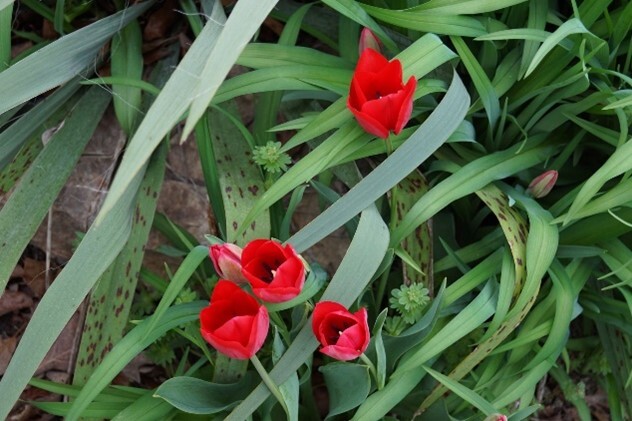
x: 161, y: 21
x: 14, y: 300
x: 35, y: 276
x: 7, y: 346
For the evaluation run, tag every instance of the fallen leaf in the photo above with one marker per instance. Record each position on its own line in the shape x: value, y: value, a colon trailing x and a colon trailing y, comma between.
x: 14, y: 300
x: 7, y: 346
x: 35, y: 276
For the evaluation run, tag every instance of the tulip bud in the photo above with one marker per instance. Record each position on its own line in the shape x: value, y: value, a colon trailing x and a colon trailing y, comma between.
x: 496, y: 417
x: 542, y: 184
x: 227, y: 261
x: 368, y: 40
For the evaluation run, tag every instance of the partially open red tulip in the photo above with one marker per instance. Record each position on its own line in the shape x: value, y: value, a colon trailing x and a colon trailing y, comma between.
x: 275, y: 272
x: 342, y: 334
x: 234, y: 323
x: 378, y: 98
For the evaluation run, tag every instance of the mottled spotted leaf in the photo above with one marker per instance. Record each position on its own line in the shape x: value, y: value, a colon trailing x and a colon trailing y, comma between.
x: 513, y: 225
x: 539, y: 247
x: 111, y: 300
x: 33, y: 144
x: 418, y: 245
x: 239, y: 177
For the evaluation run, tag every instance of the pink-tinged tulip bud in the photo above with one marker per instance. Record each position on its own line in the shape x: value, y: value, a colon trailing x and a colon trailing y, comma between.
x: 542, y: 184
x: 227, y: 261
x: 496, y: 417
x: 369, y: 40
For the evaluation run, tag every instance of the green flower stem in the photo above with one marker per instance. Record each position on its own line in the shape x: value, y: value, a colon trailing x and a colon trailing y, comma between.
x: 372, y: 370
x: 280, y: 324
x: 274, y: 389
x: 391, y: 225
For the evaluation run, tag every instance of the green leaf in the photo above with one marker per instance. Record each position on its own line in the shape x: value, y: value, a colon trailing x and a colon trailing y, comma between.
x: 624, y: 102
x: 354, y: 11
x: 428, y: 22
x: 146, y: 408
x: 472, y: 177
x: 167, y: 109
x: 111, y: 300
x: 410, y: 371
x: 127, y: 62
x: 6, y: 15
x: 70, y: 287
x: 139, y: 338
x: 417, y: 246
x: 468, y: 319
x: 465, y: 7
x: 54, y: 164
x: 467, y: 394
x: 244, y: 19
x: 34, y: 121
x: 348, y: 386
x: 572, y: 26
x: 196, y: 396
x: 617, y: 164
x: 481, y: 81
x: 240, y: 179
x: 380, y: 352
x: 61, y: 60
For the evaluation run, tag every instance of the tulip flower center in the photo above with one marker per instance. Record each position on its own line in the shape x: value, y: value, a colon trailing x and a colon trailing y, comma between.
x: 270, y: 270
x: 336, y: 330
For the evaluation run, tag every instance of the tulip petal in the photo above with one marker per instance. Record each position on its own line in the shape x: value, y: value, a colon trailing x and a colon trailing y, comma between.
x: 223, y: 289
x: 370, y: 124
x: 339, y: 353
x: 371, y: 61
x: 234, y: 323
x: 383, y: 110
x: 406, y: 105
x: 290, y: 273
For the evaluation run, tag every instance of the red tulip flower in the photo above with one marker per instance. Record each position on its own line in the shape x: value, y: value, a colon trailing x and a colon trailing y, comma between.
x: 342, y: 334
x: 275, y: 272
x: 226, y: 259
x: 378, y: 98
x: 234, y: 323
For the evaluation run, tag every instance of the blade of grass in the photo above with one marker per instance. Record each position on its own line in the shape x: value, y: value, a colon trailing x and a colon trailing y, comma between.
x: 353, y: 10
x: 45, y: 178
x: 66, y: 294
x: 572, y: 26
x: 244, y: 19
x: 167, y: 109
x: 61, y: 60
x: 6, y: 15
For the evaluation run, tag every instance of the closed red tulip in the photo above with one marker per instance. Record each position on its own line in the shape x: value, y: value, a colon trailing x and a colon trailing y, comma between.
x: 542, y: 184
x: 234, y: 323
x: 226, y: 259
x: 378, y: 98
x: 275, y: 272
x: 342, y: 334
